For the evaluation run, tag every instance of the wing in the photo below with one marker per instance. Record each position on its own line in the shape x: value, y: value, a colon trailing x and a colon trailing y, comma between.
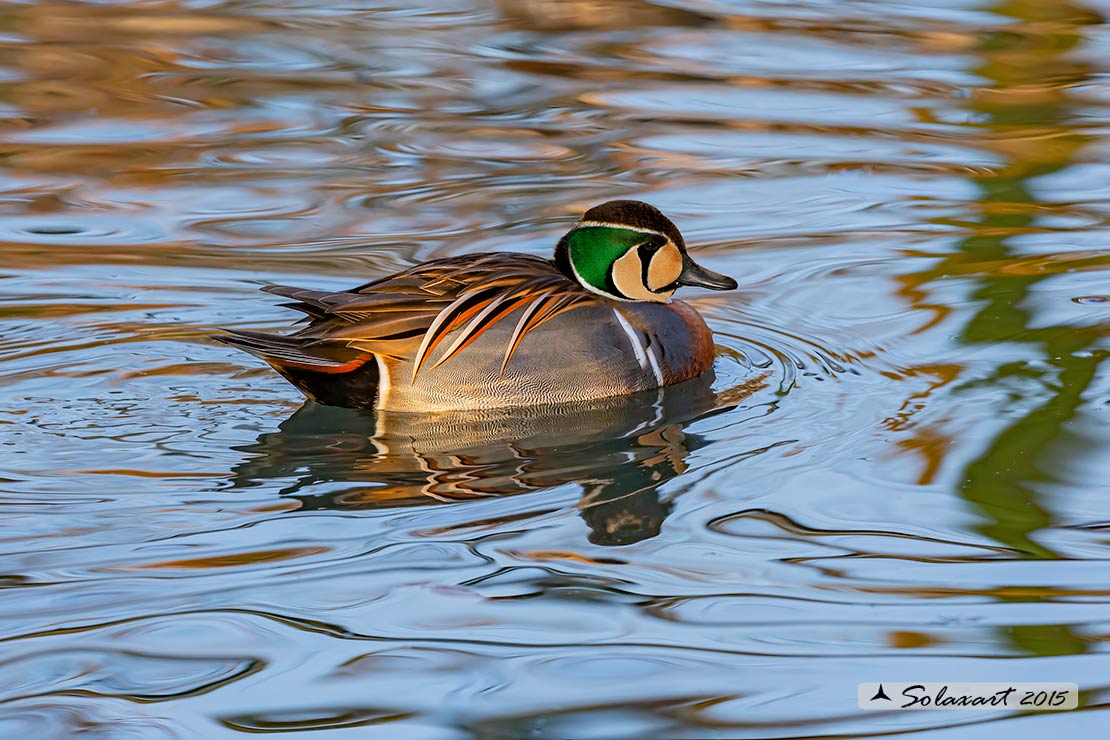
x: 411, y: 313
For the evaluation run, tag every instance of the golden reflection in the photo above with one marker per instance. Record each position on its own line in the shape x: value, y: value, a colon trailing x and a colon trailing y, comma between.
x: 929, y: 441
x: 567, y: 15
x: 910, y: 639
x: 252, y: 557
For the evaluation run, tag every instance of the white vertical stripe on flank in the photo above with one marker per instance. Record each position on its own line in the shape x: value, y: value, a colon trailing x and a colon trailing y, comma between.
x: 642, y: 355
x: 383, y: 380
x: 655, y: 364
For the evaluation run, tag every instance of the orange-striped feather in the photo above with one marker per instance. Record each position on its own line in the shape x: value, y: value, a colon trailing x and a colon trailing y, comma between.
x: 489, y: 316
x: 522, y: 327
x: 468, y: 295
x: 461, y: 310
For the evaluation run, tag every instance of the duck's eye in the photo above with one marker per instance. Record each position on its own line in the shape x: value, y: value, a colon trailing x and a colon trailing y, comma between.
x: 652, y: 245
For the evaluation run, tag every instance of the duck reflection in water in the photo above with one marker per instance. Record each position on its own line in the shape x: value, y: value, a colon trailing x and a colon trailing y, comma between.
x: 619, y: 450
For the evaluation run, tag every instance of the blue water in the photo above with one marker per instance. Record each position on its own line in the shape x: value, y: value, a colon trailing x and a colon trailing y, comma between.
x: 899, y: 470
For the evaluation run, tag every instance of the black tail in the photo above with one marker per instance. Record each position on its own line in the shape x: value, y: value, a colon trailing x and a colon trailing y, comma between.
x: 326, y: 371
x: 355, y: 389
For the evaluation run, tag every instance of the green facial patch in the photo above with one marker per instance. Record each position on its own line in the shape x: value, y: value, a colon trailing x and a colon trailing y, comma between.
x: 594, y: 249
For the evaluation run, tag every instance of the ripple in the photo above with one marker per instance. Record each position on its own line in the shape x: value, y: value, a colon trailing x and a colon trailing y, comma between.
x: 488, y: 149
x: 106, y: 132
x: 76, y: 230
x: 758, y: 104
x: 732, y: 150
x: 330, y: 718
x: 837, y: 57
x: 58, y: 720
x: 148, y: 678
x: 759, y: 344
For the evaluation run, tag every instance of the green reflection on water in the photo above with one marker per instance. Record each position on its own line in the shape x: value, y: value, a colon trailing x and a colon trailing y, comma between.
x: 1027, y: 98
x: 998, y: 482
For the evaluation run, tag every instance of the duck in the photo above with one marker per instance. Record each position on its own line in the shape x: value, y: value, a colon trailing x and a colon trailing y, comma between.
x: 505, y: 329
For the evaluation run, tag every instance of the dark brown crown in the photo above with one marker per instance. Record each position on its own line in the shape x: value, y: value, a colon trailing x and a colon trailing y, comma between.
x: 637, y: 215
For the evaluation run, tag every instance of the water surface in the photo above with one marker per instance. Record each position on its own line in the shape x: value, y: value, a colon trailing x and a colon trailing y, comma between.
x: 900, y: 469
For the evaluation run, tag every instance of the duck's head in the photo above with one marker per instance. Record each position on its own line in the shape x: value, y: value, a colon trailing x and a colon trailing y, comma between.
x: 629, y: 251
